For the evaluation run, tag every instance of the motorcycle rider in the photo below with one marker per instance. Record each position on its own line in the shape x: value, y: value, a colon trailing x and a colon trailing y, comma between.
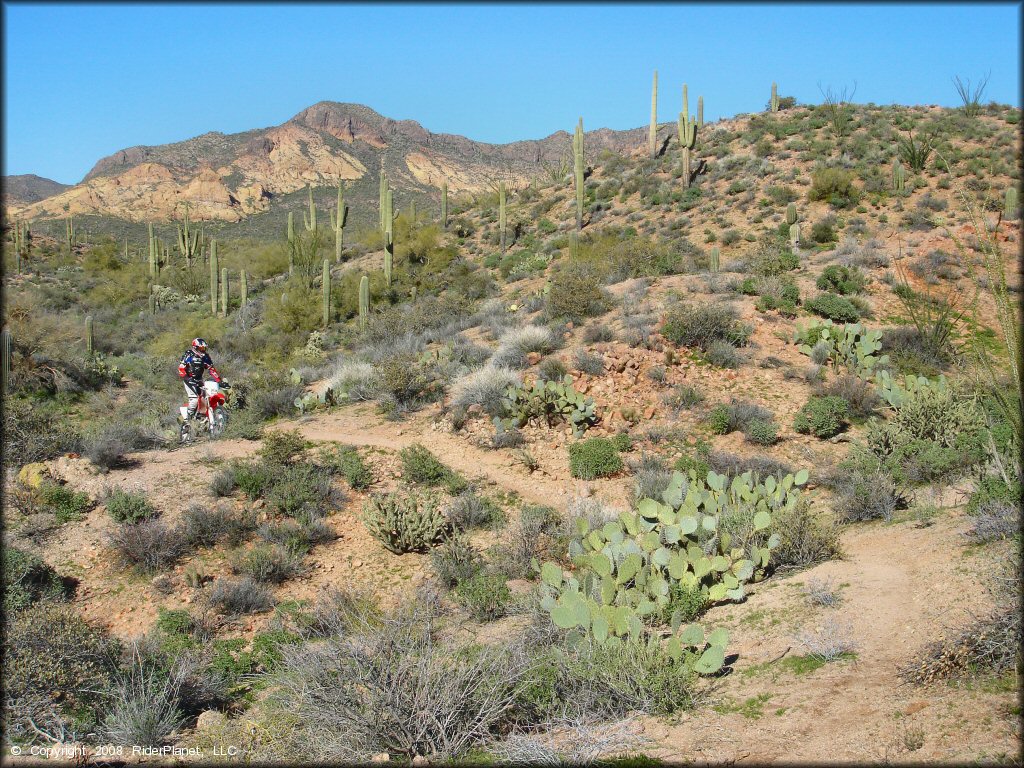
x: 193, y: 366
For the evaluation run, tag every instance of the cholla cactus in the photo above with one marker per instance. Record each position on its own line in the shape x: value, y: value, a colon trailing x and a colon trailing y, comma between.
x: 405, y: 523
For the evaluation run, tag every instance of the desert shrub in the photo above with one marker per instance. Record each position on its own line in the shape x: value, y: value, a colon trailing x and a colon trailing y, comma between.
x: 484, y: 387
x: 576, y: 294
x: 345, y: 460
x: 282, y: 447
x: 551, y: 369
x: 516, y: 343
x: 835, y: 308
x: 128, y: 506
x: 992, y: 489
x: 806, y: 538
x: 530, y: 538
x: 143, y: 707
x: 405, y: 523
x: 912, y: 352
x: 772, y: 256
x: 822, y: 416
x: 585, y: 362
x: 592, y: 458
x: 206, y: 526
x: 842, y: 280
x: 348, y: 692
x: 688, y: 603
x: 255, y: 478
x: 834, y: 186
x: 150, y: 544
x: 732, y: 465
x: 239, y: 597
x: 736, y: 415
x: 106, y: 447
x: 420, y: 466
x: 596, y: 333
x: 824, y: 231
x: 296, y: 538
x: 301, y: 491
x: 761, y: 432
x: 28, y: 579
x: 722, y: 354
x: 455, y: 561
x: 405, y: 383
x: 470, y: 510
x: 860, y: 395
x: 270, y: 564
x: 55, y: 663
x: 867, y: 496
x: 67, y: 505
x: 941, y: 416
x: 683, y: 396
x: 484, y: 594
x: 223, y: 482
x: 280, y: 401
x: 356, y: 380
x: 702, y: 325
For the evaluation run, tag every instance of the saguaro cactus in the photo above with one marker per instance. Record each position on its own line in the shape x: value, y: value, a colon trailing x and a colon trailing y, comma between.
x: 794, y: 235
x: 652, y: 135
x: 686, y: 105
x: 244, y: 287
x: 899, y: 176
x: 88, y: 336
x: 224, y: 291
x: 364, y: 302
x: 389, y: 257
x: 775, y: 98
x: 188, y: 241
x: 383, y: 195
x: 152, y: 303
x: 688, y: 139
x: 791, y: 214
x: 444, y: 204
x: 291, y: 227
x: 7, y: 351
x: 502, y: 221
x: 310, y: 220
x: 1010, y: 205
x: 578, y: 166
x: 338, y: 223
x: 327, y: 293
x: 213, y: 276
x: 700, y: 111
x: 715, y: 261
x: 69, y: 232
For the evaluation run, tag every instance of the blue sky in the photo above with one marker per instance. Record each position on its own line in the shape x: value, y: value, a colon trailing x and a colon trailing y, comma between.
x: 83, y: 81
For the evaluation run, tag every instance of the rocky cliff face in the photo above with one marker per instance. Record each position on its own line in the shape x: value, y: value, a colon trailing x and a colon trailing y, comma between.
x: 229, y: 177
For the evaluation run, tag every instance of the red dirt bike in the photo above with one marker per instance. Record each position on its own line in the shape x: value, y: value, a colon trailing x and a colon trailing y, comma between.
x: 211, y: 412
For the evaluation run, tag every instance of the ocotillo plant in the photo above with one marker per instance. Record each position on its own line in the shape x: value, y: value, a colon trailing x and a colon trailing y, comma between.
x: 652, y: 135
x: 338, y: 223
x: 775, y: 98
x: 213, y: 276
x: 715, y: 261
x: 310, y: 221
x: 364, y: 302
x: 1010, y: 205
x: 244, y: 287
x: 578, y: 166
x: 326, y: 287
x: 89, y: 339
x: 188, y: 241
x: 69, y: 232
x: 501, y: 214
x: 444, y: 204
x: 791, y: 214
x: 899, y: 176
x: 700, y: 111
x: 7, y: 351
x: 224, y: 291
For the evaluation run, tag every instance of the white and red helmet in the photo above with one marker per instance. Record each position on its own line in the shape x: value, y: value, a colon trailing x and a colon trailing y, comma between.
x: 199, y: 346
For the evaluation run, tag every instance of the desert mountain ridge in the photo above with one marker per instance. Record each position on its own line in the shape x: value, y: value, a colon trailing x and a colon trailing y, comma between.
x: 228, y: 177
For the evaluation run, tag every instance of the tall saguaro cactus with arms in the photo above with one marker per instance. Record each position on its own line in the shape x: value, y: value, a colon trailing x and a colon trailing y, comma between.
x: 338, y: 220
x: 578, y: 168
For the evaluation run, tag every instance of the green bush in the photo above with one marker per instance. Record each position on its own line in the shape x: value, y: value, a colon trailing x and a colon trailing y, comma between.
x: 282, y: 447
x: 255, y: 478
x: 455, y: 561
x: 485, y: 595
x: 822, y: 416
x: 834, y: 307
x: 761, y: 432
x: 129, y: 507
x: 702, y: 325
x: 992, y: 488
x: 689, y: 602
x: 67, y: 505
x: 823, y: 232
x: 423, y: 468
x: 266, y: 648
x: 773, y: 257
x: 835, y: 186
x: 842, y: 280
x: 28, y: 579
x: 346, y: 461
x: 718, y: 419
x: 576, y: 294
x: 300, y: 491
x: 596, y: 457
x: 264, y: 563
x: 405, y: 523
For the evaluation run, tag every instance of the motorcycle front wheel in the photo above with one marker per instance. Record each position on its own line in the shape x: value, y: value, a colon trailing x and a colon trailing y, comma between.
x: 218, y: 421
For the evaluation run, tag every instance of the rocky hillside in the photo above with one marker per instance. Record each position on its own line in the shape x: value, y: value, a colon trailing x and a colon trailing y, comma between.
x: 230, y: 177
x: 23, y: 190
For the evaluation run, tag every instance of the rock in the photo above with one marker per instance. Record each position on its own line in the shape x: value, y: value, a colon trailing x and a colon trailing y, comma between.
x: 162, y: 583
x: 210, y: 719
x: 649, y: 412
x: 586, y: 491
x: 532, y: 358
x: 419, y: 760
x: 259, y: 504
x: 381, y: 757
x: 357, y: 563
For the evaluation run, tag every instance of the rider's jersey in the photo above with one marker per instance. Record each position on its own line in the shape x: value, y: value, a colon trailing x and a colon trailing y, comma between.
x: 194, y: 366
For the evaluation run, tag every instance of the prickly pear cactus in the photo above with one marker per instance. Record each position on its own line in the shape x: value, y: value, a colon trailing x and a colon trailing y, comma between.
x: 625, y: 570
x: 553, y: 401
x: 896, y: 394
x: 851, y: 345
